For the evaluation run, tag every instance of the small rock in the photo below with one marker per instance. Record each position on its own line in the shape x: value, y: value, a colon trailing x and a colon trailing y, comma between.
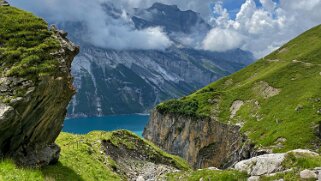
x: 3, y: 88
x: 263, y: 152
x: 236, y: 106
x: 63, y: 33
x: 299, y: 108
x: 254, y: 178
x: 302, y: 151
x: 140, y: 178
x: 212, y: 101
x: 212, y: 168
x: 281, y: 140
x: 15, y: 101
x: 308, y: 174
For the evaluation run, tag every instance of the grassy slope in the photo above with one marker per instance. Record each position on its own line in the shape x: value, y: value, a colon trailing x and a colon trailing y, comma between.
x: 300, y: 85
x: 25, y: 44
x: 82, y: 159
x: 225, y: 175
x: 295, y: 162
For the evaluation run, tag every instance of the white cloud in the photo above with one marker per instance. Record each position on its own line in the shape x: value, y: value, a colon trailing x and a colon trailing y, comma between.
x: 268, y: 4
x: 102, y: 29
x: 222, y: 40
x: 264, y: 29
x: 122, y: 37
x: 260, y: 29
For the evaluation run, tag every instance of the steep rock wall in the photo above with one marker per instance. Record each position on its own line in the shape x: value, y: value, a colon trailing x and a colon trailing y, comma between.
x: 202, y: 142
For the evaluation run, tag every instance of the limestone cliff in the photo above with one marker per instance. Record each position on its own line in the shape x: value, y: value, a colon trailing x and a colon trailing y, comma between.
x: 203, y: 142
x: 35, y: 87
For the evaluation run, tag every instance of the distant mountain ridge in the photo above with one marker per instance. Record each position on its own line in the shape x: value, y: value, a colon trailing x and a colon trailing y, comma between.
x: 133, y: 81
x: 171, y: 18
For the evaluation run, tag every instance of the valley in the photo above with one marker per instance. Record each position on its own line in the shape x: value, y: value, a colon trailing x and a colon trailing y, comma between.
x: 212, y: 116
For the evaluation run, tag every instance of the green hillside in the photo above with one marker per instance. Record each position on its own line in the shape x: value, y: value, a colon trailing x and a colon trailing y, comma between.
x: 82, y: 158
x: 279, y: 97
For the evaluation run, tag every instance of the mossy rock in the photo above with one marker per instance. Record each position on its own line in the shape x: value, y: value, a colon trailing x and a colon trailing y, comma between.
x: 26, y: 44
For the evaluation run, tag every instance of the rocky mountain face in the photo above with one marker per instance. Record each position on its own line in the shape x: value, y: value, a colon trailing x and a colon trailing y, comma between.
x: 35, y: 87
x: 121, y: 82
x: 202, y: 142
x: 133, y: 81
x: 270, y: 106
x: 171, y: 18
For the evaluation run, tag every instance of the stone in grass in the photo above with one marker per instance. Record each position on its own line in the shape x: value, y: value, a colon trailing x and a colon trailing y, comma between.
x: 308, y: 174
x: 299, y: 108
x: 261, y: 165
x: 140, y: 178
x: 254, y: 178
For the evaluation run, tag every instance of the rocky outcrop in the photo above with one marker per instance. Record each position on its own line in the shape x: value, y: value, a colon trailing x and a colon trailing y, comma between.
x: 4, y: 3
x: 137, y: 160
x: 261, y: 165
x: 202, y: 142
x: 269, y: 165
x: 32, y: 110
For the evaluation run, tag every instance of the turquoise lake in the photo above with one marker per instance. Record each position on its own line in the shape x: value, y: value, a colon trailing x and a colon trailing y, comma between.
x: 133, y: 122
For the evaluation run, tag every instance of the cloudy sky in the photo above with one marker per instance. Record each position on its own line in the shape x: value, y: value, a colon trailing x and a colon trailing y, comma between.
x: 259, y: 26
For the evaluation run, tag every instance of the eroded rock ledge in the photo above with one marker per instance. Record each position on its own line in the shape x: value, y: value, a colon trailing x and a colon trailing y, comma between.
x: 32, y: 111
x: 202, y: 142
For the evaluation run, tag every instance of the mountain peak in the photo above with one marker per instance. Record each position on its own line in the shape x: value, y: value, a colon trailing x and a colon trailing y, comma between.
x: 170, y: 17
x: 161, y: 6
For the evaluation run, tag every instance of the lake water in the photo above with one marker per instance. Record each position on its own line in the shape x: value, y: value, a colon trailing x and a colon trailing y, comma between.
x: 133, y: 122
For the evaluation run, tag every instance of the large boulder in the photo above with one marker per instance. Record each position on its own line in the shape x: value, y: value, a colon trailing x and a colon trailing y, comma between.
x: 261, y: 165
x: 34, y: 90
x: 270, y: 164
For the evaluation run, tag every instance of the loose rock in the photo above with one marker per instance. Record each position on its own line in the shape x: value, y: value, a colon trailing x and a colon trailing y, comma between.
x: 308, y: 174
x: 261, y: 165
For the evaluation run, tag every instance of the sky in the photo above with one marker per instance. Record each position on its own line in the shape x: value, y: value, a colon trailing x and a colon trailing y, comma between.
x: 259, y: 26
